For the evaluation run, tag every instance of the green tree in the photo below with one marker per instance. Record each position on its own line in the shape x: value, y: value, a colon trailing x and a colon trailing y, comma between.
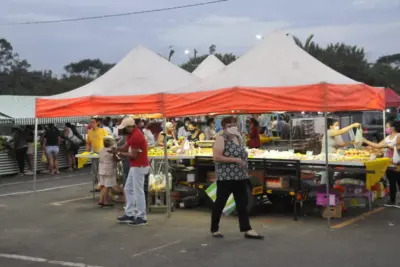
x: 212, y: 49
x: 171, y: 53
x: 88, y: 68
x: 308, y: 43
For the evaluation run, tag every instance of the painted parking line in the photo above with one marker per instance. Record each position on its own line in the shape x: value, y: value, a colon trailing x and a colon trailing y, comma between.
x: 69, y: 200
x: 43, y: 190
x: 156, y: 248
x: 42, y: 180
x: 358, y: 218
x: 42, y: 260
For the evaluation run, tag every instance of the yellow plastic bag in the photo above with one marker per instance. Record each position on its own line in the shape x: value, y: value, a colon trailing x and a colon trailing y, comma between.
x: 44, y: 159
x: 83, y: 161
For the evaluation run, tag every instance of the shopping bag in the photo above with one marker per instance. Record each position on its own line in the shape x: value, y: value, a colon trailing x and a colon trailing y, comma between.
x: 352, y: 135
x: 358, y: 140
x: 396, y: 156
x: 230, y: 205
x: 44, y: 159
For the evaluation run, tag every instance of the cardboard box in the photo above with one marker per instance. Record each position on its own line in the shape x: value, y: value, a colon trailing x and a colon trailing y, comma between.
x: 332, y: 212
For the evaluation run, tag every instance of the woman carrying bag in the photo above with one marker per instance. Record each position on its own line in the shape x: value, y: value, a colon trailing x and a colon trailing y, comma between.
x: 230, y: 158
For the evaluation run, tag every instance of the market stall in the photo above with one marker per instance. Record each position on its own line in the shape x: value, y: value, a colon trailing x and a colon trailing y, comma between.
x: 280, y: 175
x: 24, y: 116
x: 133, y: 86
x: 276, y: 75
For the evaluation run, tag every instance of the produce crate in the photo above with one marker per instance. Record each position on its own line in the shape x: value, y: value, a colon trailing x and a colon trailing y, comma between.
x: 332, y: 212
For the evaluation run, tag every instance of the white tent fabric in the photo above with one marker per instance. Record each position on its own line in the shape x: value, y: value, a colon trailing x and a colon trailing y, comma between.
x: 276, y: 62
x: 210, y: 66
x: 16, y: 107
x: 141, y: 72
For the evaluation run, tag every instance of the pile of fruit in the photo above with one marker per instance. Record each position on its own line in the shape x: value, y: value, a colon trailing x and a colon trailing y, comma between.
x: 356, y: 153
x: 156, y: 151
x: 159, y: 151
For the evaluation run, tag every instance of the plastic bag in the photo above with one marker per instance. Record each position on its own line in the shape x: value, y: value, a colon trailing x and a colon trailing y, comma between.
x: 230, y: 205
x: 396, y: 156
x: 358, y: 140
x: 44, y: 159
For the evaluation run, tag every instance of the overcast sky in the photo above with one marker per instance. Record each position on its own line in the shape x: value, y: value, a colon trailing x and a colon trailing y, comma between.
x: 231, y: 26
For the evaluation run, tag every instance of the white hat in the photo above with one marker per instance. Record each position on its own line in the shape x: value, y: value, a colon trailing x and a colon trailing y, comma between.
x: 108, y: 137
x: 127, y: 122
x: 169, y: 125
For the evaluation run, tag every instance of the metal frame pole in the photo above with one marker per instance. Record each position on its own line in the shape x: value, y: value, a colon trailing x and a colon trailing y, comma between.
x: 327, y: 167
x: 35, y: 155
x: 166, y: 170
x: 326, y: 151
x: 384, y: 124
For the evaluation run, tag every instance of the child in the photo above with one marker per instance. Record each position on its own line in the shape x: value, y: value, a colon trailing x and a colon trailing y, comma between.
x: 107, y: 171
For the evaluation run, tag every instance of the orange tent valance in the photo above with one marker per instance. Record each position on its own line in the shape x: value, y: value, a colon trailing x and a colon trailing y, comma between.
x: 318, y: 97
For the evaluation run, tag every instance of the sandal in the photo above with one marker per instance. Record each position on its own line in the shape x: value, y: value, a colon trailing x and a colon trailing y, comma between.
x: 253, y: 235
x: 217, y: 235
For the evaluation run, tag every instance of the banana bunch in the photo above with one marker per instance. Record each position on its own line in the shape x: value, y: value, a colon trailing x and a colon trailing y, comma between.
x: 156, y: 152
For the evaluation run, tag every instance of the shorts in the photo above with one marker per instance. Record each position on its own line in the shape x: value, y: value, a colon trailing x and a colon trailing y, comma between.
x: 107, y: 180
x: 52, y: 151
x: 30, y: 149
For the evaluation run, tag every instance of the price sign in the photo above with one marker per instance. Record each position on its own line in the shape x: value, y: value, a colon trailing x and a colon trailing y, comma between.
x: 309, y: 153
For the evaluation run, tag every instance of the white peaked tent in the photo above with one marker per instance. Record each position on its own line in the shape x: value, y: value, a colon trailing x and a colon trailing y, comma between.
x: 125, y: 89
x: 210, y: 66
x: 275, y: 62
x: 276, y: 75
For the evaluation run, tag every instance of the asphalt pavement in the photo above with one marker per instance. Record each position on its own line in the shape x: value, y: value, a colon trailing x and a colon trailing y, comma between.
x: 60, y: 225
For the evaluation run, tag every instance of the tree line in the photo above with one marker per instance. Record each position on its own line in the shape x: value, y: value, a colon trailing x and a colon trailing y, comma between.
x: 18, y: 78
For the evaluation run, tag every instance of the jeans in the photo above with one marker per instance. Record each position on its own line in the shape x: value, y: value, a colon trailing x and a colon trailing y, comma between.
x: 126, y: 166
x: 394, y: 180
x: 20, y: 155
x: 224, y: 190
x: 134, y: 193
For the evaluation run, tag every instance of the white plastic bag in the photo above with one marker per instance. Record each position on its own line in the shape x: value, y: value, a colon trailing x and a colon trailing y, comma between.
x: 358, y: 140
x: 396, y: 156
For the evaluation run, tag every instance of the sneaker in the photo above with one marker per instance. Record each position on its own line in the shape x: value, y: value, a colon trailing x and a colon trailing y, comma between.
x: 125, y: 219
x: 390, y: 204
x: 138, y: 222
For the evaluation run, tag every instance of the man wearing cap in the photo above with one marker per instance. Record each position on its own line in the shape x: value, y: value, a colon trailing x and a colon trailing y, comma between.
x: 136, y: 150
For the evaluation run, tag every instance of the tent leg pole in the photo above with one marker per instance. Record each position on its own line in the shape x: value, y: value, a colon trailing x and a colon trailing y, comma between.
x: 384, y: 123
x: 327, y: 167
x: 166, y: 170
x: 35, y: 155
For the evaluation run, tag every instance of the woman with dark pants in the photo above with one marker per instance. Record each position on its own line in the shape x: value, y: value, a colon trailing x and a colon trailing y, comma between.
x: 391, y: 144
x: 20, y: 148
x: 230, y: 158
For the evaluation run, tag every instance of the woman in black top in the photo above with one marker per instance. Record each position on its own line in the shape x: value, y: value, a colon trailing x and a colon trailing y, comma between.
x: 196, y: 133
x: 51, y: 146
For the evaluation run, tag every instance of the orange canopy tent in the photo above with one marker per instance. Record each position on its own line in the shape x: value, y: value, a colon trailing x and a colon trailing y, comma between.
x: 133, y: 86
x: 392, y: 98
x: 276, y: 75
